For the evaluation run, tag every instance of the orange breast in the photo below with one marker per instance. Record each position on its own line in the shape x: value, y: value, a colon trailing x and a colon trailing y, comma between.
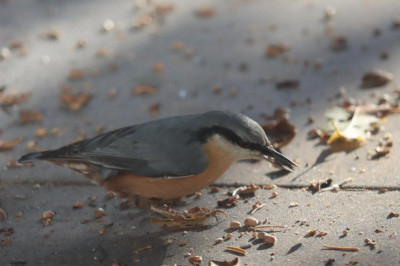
x: 171, y: 188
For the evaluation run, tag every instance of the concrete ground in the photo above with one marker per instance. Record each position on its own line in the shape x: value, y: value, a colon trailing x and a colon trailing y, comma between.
x: 199, y: 56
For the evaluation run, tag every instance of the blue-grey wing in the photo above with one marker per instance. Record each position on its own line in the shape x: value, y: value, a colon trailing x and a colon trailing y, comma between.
x: 152, y: 149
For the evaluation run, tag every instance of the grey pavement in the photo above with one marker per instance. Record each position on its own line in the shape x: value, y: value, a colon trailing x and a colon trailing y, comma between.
x: 224, y: 50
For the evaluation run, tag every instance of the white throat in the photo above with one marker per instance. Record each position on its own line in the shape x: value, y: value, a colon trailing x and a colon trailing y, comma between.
x: 237, y: 152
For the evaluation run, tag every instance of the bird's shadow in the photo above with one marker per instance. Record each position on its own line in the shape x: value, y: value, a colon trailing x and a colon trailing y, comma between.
x: 322, y: 157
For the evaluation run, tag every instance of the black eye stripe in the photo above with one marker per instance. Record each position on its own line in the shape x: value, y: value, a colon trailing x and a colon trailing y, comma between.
x: 206, y: 133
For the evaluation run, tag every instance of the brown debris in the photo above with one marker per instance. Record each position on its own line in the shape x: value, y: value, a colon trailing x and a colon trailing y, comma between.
x: 280, y: 132
x: 158, y: 67
x: 74, y: 101
x: 287, y: 84
x: 318, y: 184
x: 195, y: 260
x: 76, y: 74
x: 339, y: 248
x: 7, y: 232
x: 53, y: 34
x: 193, y: 218
x: 15, y: 164
x: 41, y: 132
x: 78, y: 205
x: 228, y: 202
x: 234, y: 262
x: 206, y: 12
x: 14, y: 98
x: 9, y: 144
x: 5, y: 242
x: 236, y: 250
x: 47, y: 217
x: 376, y: 78
x: 29, y: 116
x: 154, y: 109
x: 394, y: 214
x: 99, y: 212
x: 139, y: 250
x: 145, y: 90
x: 3, y: 214
x: 369, y: 242
x: 310, y: 233
x: 339, y: 43
x: 247, y: 190
x: 275, y: 50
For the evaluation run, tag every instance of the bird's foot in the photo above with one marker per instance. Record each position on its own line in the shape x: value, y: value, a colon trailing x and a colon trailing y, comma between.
x: 194, y: 218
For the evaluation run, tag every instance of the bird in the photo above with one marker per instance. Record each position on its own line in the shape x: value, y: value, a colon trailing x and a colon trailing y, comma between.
x: 168, y: 158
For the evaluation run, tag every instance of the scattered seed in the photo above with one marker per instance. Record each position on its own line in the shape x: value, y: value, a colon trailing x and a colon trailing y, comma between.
x: 274, y: 194
x: 251, y: 222
x: 235, y: 225
x: 182, y: 243
x: 198, y: 195
x: 310, y: 233
x: 99, y: 212
x: 214, y: 189
x: 369, y: 242
x: 228, y: 236
x: 195, y: 260
x: 47, y: 215
x: 293, y: 204
x: 234, y: 262
x: 270, y: 186
x: 206, y: 12
x: 219, y: 240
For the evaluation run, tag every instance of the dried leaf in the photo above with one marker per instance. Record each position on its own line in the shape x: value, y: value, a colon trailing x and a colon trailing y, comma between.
x: 29, y: 116
x: 376, y: 78
x: 9, y: 144
x: 280, y: 132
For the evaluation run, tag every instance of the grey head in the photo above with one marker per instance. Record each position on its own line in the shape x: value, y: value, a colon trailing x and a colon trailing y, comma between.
x: 244, y: 135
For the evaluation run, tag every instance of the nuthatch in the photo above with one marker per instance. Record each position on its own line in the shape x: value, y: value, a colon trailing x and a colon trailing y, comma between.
x: 167, y: 158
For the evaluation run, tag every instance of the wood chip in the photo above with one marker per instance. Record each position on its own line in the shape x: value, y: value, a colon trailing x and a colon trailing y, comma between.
x: 339, y: 248
x: 236, y: 250
x: 9, y: 144
x: 251, y: 222
x: 369, y: 242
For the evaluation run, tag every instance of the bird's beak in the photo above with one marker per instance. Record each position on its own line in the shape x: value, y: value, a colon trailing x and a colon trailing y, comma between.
x: 278, y: 159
